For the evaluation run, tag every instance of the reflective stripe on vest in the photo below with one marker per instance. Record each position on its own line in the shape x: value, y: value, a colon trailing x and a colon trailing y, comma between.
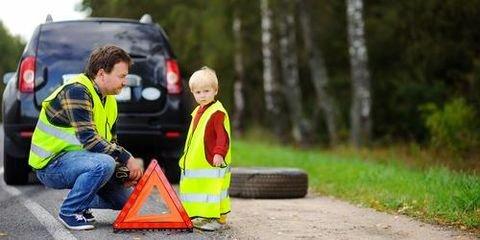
x: 204, y: 198
x: 40, y: 151
x: 206, y: 173
x: 72, y: 139
x: 48, y: 140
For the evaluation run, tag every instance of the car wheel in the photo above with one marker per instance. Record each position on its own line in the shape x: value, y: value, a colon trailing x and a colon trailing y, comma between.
x: 16, y: 170
x: 172, y: 170
x: 269, y: 183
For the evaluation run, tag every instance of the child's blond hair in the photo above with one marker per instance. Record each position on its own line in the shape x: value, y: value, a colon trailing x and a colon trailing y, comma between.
x: 205, y: 76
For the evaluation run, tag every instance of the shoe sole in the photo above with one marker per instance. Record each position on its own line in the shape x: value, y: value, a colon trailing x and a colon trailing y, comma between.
x: 210, y: 229
x: 204, y: 229
x: 84, y: 227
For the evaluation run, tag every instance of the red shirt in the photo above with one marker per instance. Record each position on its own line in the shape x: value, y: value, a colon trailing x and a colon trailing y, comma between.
x: 216, y: 137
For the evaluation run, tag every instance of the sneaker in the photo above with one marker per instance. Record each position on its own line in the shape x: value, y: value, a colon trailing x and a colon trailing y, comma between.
x: 223, y: 219
x: 209, y: 225
x: 75, y: 222
x: 198, y: 222
x: 88, y: 215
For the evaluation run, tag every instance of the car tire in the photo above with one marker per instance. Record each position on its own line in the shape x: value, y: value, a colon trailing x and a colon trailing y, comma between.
x: 15, y: 170
x: 172, y: 170
x: 268, y: 183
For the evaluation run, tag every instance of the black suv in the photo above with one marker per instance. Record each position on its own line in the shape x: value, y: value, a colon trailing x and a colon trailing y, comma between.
x: 153, y: 107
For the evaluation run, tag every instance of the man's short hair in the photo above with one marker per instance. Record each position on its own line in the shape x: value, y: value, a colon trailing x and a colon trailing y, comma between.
x: 105, y: 58
x: 205, y: 76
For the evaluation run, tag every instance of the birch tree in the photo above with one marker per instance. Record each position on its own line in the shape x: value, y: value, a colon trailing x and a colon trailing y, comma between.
x: 289, y: 62
x: 360, y: 111
x: 239, y: 101
x: 271, y: 85
x: 318, y: 73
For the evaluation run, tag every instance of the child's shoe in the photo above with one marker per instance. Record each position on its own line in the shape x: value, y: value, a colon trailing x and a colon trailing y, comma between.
x: 198, y: 222
x: 223, y: 219
x: 210, y: 225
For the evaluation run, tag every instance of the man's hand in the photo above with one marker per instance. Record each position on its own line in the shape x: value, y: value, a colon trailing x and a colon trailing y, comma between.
x: 217, y: 160
x: 136, y: 170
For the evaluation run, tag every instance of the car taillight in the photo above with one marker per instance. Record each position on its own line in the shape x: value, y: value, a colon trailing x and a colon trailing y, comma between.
x: 26, y: 134
x: 26, y: 80
x: 172, y: 134
x: 174, y: 83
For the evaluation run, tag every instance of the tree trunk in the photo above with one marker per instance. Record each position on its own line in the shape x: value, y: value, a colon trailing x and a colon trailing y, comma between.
x: 288, y: 51
x: 239, y: 101
x: 319, y: 75
x: 270, y: 81
x: 360, y: 117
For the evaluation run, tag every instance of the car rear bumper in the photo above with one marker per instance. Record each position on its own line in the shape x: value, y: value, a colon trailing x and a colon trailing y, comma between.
x: 165, y: 142
x: 17, y: 138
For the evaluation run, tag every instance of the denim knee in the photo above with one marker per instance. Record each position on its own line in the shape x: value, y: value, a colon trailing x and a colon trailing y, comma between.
x: 106, y: 165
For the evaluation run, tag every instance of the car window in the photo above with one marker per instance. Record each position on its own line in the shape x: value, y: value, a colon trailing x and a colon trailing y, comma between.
x: 75, y: 40
x: 64, y: 47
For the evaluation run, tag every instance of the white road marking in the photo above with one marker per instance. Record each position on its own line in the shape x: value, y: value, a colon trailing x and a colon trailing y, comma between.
x: 53, y: 226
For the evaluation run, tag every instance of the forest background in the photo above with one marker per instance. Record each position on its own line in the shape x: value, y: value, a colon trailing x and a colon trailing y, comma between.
x: 329, y: 73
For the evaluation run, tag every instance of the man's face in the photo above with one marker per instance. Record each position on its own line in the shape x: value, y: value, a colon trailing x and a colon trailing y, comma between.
x: 113, y: 82
x: 204, y: 94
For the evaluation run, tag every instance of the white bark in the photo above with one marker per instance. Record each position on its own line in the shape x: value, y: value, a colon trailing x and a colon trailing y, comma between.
x: 360, y: 116
x: 268, y: 79
x: 270, y: 83
x: 318, y: 73
x: 238, y: 97
x: 288, y: 50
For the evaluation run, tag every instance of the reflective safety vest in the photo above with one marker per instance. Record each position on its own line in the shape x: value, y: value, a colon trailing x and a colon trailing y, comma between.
x: 49, y: 140
x: 203, y: 188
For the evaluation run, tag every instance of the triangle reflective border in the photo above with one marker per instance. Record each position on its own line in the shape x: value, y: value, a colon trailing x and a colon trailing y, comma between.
x: 175, y: 218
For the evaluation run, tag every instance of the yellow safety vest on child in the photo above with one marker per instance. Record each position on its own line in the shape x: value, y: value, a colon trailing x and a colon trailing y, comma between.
x: 204, y: 188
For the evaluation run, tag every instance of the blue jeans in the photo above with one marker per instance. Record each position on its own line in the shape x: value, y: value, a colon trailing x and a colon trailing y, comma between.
x: 89, y: 176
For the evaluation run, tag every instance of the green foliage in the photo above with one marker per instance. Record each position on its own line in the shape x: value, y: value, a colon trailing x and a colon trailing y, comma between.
x: 433, y: 194
x: 419, y: 51
x: 11, y: 48
x: 453, y: 128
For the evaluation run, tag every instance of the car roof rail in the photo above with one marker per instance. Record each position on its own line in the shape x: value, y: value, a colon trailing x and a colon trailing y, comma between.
x: 48, y: 18
x: 146, y: 18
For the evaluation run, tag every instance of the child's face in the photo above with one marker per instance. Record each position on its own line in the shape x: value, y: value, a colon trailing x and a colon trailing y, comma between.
x: 204, y: 94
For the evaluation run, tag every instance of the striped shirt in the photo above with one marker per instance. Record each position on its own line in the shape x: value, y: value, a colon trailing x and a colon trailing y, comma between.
x: 73, y: 107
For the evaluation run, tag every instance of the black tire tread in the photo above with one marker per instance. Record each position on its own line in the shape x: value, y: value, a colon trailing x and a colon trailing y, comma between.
x: 268, y: 183
x: 15, y: 170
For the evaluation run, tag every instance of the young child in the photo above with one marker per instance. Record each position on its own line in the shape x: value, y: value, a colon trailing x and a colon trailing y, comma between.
x: 206, y: 159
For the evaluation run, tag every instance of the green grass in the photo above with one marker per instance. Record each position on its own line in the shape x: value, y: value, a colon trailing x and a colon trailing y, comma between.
x: 433, y: 195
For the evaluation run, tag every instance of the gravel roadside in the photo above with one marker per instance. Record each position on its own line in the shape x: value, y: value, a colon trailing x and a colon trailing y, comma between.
x: 315, y: 217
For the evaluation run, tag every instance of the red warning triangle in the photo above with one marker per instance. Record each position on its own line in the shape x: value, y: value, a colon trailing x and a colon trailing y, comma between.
x: 175, y: 218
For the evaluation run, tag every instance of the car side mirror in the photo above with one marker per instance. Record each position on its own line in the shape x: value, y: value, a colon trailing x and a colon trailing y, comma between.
x: 7, y: 76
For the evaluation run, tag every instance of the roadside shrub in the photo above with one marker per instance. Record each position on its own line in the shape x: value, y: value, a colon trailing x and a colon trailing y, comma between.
x: 452, y: 128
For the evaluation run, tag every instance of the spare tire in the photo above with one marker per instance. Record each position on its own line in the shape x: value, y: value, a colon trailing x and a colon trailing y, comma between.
x: 268, y: 183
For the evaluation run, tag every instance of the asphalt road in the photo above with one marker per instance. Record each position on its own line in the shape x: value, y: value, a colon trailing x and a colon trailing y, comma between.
x: 30, y: 212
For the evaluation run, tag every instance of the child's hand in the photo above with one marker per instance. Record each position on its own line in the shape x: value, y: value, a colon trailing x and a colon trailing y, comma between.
x: 217, y: 160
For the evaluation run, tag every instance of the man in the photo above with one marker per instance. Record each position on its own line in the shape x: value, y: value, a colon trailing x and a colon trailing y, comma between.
x: 73, y: 145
